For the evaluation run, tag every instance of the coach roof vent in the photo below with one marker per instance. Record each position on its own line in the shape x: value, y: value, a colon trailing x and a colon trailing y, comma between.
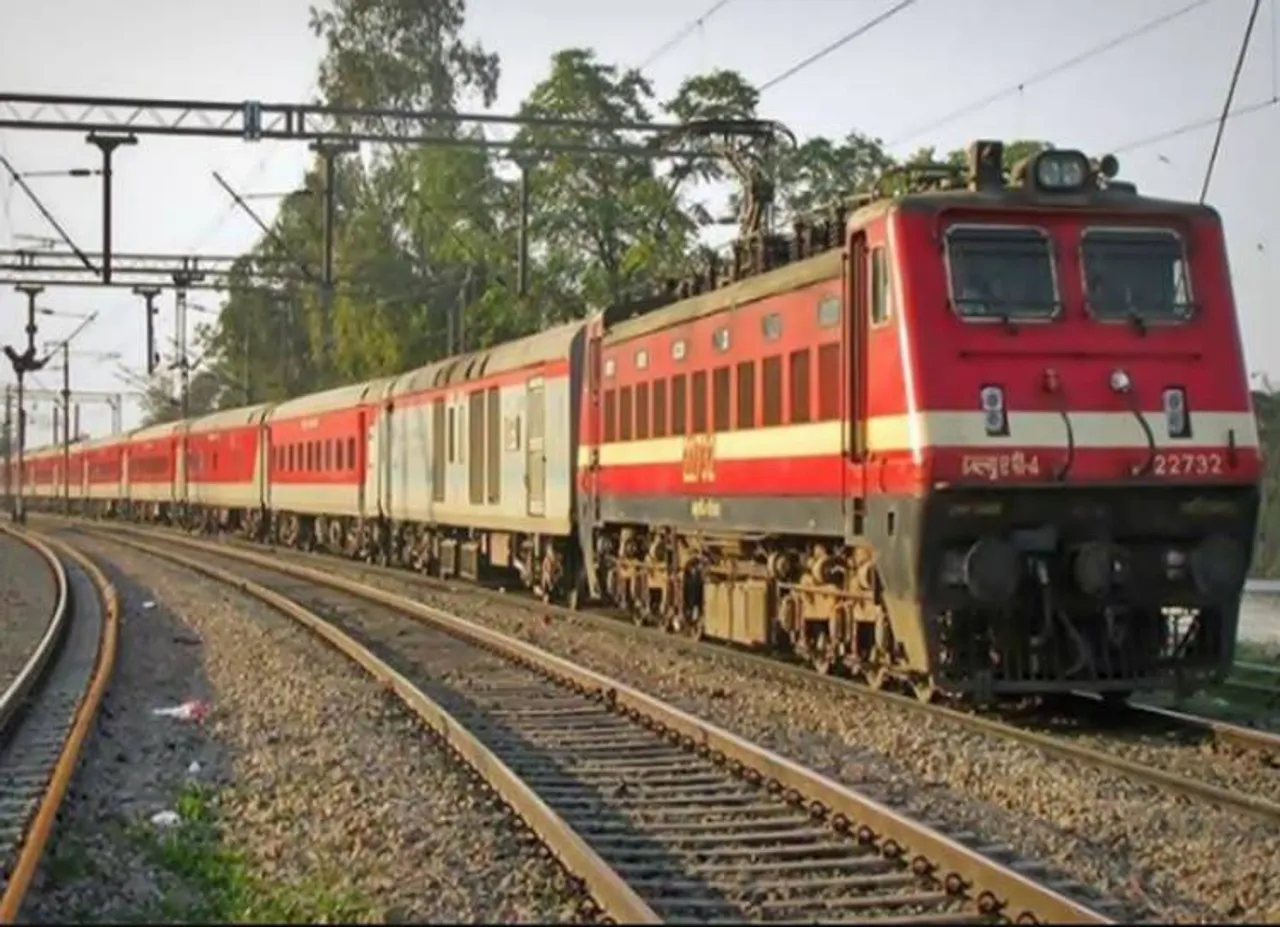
x: 986, y: 165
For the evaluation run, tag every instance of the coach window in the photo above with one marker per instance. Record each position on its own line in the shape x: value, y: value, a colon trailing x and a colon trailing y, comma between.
x: 338, y: 462
x: 720, y: 419
x: 351, y: 452
x: 828, y: 381
x: 771, y: 326
x: 292, y: 458
x: 771, y: 384
x: 679, y: 406
x: 1001, y: 273
x: 610, y: 415
x: 747, y: 394
x: 1135, y: 275
x: 642, y: 411
x: 879, y: 288
x: 452, y: 434
x: 659, y: 408
x: 799, y: 387
x: 829, y: 312
x: 625, y: 414
x: 698, y: 399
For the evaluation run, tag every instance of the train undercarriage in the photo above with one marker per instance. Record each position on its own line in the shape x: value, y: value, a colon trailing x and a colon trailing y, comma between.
x: 538, y: 562
x: 826, y: 603
x: 998, y: 614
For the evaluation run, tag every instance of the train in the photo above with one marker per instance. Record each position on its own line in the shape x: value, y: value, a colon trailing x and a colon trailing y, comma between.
x: 988, y: 436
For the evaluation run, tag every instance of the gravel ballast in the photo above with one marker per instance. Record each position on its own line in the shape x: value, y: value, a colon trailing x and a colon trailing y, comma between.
x: 329, y: 800
x: 27, y: 597
x: 1167, y: 857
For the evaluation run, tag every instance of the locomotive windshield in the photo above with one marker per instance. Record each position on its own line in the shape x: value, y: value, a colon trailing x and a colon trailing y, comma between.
x: 1001, y: 273
x: 1135, y: 274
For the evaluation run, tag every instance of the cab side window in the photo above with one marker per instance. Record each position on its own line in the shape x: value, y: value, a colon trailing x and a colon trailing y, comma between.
x: 879, y: 280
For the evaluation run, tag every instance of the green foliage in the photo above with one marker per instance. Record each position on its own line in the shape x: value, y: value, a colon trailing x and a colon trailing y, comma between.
x: 1266, y: 556
x: 213, y: 883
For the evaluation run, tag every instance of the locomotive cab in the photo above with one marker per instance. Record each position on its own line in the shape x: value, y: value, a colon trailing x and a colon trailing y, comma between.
x: 1082, y: 432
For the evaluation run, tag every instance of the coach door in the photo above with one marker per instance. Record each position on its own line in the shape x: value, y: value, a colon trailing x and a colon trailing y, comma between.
x: 536, y: 445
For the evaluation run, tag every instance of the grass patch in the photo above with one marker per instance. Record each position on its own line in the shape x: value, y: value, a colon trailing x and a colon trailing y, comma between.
x: 215, y: 884
x: 69, y: 862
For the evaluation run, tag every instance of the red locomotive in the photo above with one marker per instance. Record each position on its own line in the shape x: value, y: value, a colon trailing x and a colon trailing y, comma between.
x: 989, y: 435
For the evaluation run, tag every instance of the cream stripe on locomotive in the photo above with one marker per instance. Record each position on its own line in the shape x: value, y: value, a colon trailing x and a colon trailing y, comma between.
x: 891, y: 433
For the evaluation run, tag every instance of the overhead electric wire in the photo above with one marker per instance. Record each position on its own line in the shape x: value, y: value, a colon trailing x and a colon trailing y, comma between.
x: 1054, y: 70
x: 838, y: 43
x: 1231, y: 92
x: 682, y: 33
x: 1188, y: 127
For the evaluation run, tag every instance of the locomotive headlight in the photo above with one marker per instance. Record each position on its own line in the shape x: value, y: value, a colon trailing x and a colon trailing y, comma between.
x: 1063, y: 171
x: 1120, y: 382
x: 994, y: 417
x: 1176, y: 416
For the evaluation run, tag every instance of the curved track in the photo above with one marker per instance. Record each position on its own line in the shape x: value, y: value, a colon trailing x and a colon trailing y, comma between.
x: 1143, y: 743
x: 47, y: 710
x: 660, y: 815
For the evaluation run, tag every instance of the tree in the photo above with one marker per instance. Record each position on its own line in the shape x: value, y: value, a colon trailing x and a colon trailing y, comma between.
x: 1266, y: 557
x: 822, y: 172
x: 606, y: 226
x: 401, y: 54
x: 161, y: 403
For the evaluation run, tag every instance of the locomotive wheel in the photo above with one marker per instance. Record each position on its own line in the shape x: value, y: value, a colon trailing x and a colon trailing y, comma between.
x: 925, y: 691
x: 820, y: 657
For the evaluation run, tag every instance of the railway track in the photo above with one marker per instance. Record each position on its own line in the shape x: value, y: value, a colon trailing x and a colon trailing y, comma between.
x: 47, y: 708
x: 1244, y: 778
x: 659, y: 815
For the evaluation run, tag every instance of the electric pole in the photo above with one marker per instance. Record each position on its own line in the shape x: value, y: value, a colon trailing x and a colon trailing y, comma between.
x: 8, y: 446
x: 149, y: 294
x: 329, y: 151
x: 522, y: 265
x: 66, y: 427
x: 24, y: 363
x: 181, y: 281
x: 107, y: 144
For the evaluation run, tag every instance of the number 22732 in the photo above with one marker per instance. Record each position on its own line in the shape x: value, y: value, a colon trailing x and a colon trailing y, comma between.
x: 1187, y: 464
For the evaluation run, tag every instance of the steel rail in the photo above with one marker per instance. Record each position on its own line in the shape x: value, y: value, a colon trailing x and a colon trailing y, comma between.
x: 15, y: 695
x: 36, y: 829
x: 958, y: 862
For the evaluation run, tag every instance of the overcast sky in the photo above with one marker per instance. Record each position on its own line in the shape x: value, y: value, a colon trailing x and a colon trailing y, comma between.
x: 931, y: 60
